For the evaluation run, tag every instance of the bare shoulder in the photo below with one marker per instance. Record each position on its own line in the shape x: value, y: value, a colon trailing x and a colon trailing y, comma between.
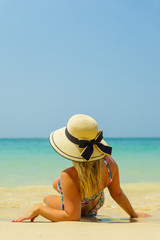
x: 112, y: 163
x: 70, y: 172
x: 69, y: 176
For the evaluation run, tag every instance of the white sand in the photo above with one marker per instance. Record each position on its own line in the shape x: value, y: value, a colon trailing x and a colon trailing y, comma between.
x: 111, y: 222
x: 79, y: 230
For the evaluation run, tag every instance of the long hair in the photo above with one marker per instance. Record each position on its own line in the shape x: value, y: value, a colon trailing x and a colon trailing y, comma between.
x: 89, y: 174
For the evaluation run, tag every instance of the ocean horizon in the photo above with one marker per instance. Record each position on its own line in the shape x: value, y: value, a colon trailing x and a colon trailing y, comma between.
x: 32, y: 161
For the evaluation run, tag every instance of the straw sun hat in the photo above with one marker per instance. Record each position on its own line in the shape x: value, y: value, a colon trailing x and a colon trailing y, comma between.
x: 80, y: 140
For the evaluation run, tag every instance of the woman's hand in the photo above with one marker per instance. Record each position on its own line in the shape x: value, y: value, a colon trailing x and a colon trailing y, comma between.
x: 32, y: 214
x: 143, y: 215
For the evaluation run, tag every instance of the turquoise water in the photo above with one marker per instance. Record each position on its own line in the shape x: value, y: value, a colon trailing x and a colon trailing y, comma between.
x: 26, y: 162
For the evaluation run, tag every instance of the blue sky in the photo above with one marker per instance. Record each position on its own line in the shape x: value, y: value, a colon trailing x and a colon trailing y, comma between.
x: 59, y: 58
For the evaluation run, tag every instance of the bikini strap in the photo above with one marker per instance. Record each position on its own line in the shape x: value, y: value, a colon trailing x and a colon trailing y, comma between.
x: 60, y: 189
x: 87, y: 200
x: 108, y: 169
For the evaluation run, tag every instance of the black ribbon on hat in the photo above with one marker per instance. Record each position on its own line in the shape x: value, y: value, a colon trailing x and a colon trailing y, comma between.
x: 88, y: 144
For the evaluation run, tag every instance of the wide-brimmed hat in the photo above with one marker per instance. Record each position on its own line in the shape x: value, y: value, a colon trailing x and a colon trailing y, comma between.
x: 80, y: 140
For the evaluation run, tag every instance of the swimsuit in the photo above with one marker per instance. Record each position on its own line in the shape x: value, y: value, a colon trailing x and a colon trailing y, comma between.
x: 86, y: 201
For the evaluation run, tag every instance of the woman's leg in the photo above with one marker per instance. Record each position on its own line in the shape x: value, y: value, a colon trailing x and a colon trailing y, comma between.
x: 55, y: 184
x: 53, y: 201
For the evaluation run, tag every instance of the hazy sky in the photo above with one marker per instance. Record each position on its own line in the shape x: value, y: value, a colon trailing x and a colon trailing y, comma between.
x: 59, y: 58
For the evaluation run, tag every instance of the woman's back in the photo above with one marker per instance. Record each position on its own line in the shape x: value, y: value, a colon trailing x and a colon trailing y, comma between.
x: 87, y: 204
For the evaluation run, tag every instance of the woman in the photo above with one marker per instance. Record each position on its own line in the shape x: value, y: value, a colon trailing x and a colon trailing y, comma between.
x: 81, y: 186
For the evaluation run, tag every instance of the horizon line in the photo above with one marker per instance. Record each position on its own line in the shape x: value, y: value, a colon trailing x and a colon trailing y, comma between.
x: 1, y: 138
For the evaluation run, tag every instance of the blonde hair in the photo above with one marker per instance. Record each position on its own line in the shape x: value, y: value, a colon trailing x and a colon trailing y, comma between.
x: 89, y: 174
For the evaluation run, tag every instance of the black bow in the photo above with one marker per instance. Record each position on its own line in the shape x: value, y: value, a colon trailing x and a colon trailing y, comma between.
x: 88, y: 144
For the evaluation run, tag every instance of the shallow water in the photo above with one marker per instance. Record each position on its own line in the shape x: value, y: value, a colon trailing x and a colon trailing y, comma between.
x: 26, y: 162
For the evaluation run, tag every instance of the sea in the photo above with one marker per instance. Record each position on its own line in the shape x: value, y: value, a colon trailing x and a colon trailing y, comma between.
x: 32, y: 162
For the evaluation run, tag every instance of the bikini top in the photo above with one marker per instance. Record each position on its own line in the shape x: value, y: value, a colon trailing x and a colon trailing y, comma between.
x: 87, y: 200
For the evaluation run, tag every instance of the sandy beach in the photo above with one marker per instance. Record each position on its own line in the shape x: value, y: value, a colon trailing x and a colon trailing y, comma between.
x: 111, y: 221
x: 79, y: 230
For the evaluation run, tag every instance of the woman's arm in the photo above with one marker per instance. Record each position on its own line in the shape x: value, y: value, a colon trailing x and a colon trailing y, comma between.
x: 56, y: 215
x: 72, y: 203
x: 55, y: 184
x: 124, y: 203
x: 46, y: 212
x: 118, y: 195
